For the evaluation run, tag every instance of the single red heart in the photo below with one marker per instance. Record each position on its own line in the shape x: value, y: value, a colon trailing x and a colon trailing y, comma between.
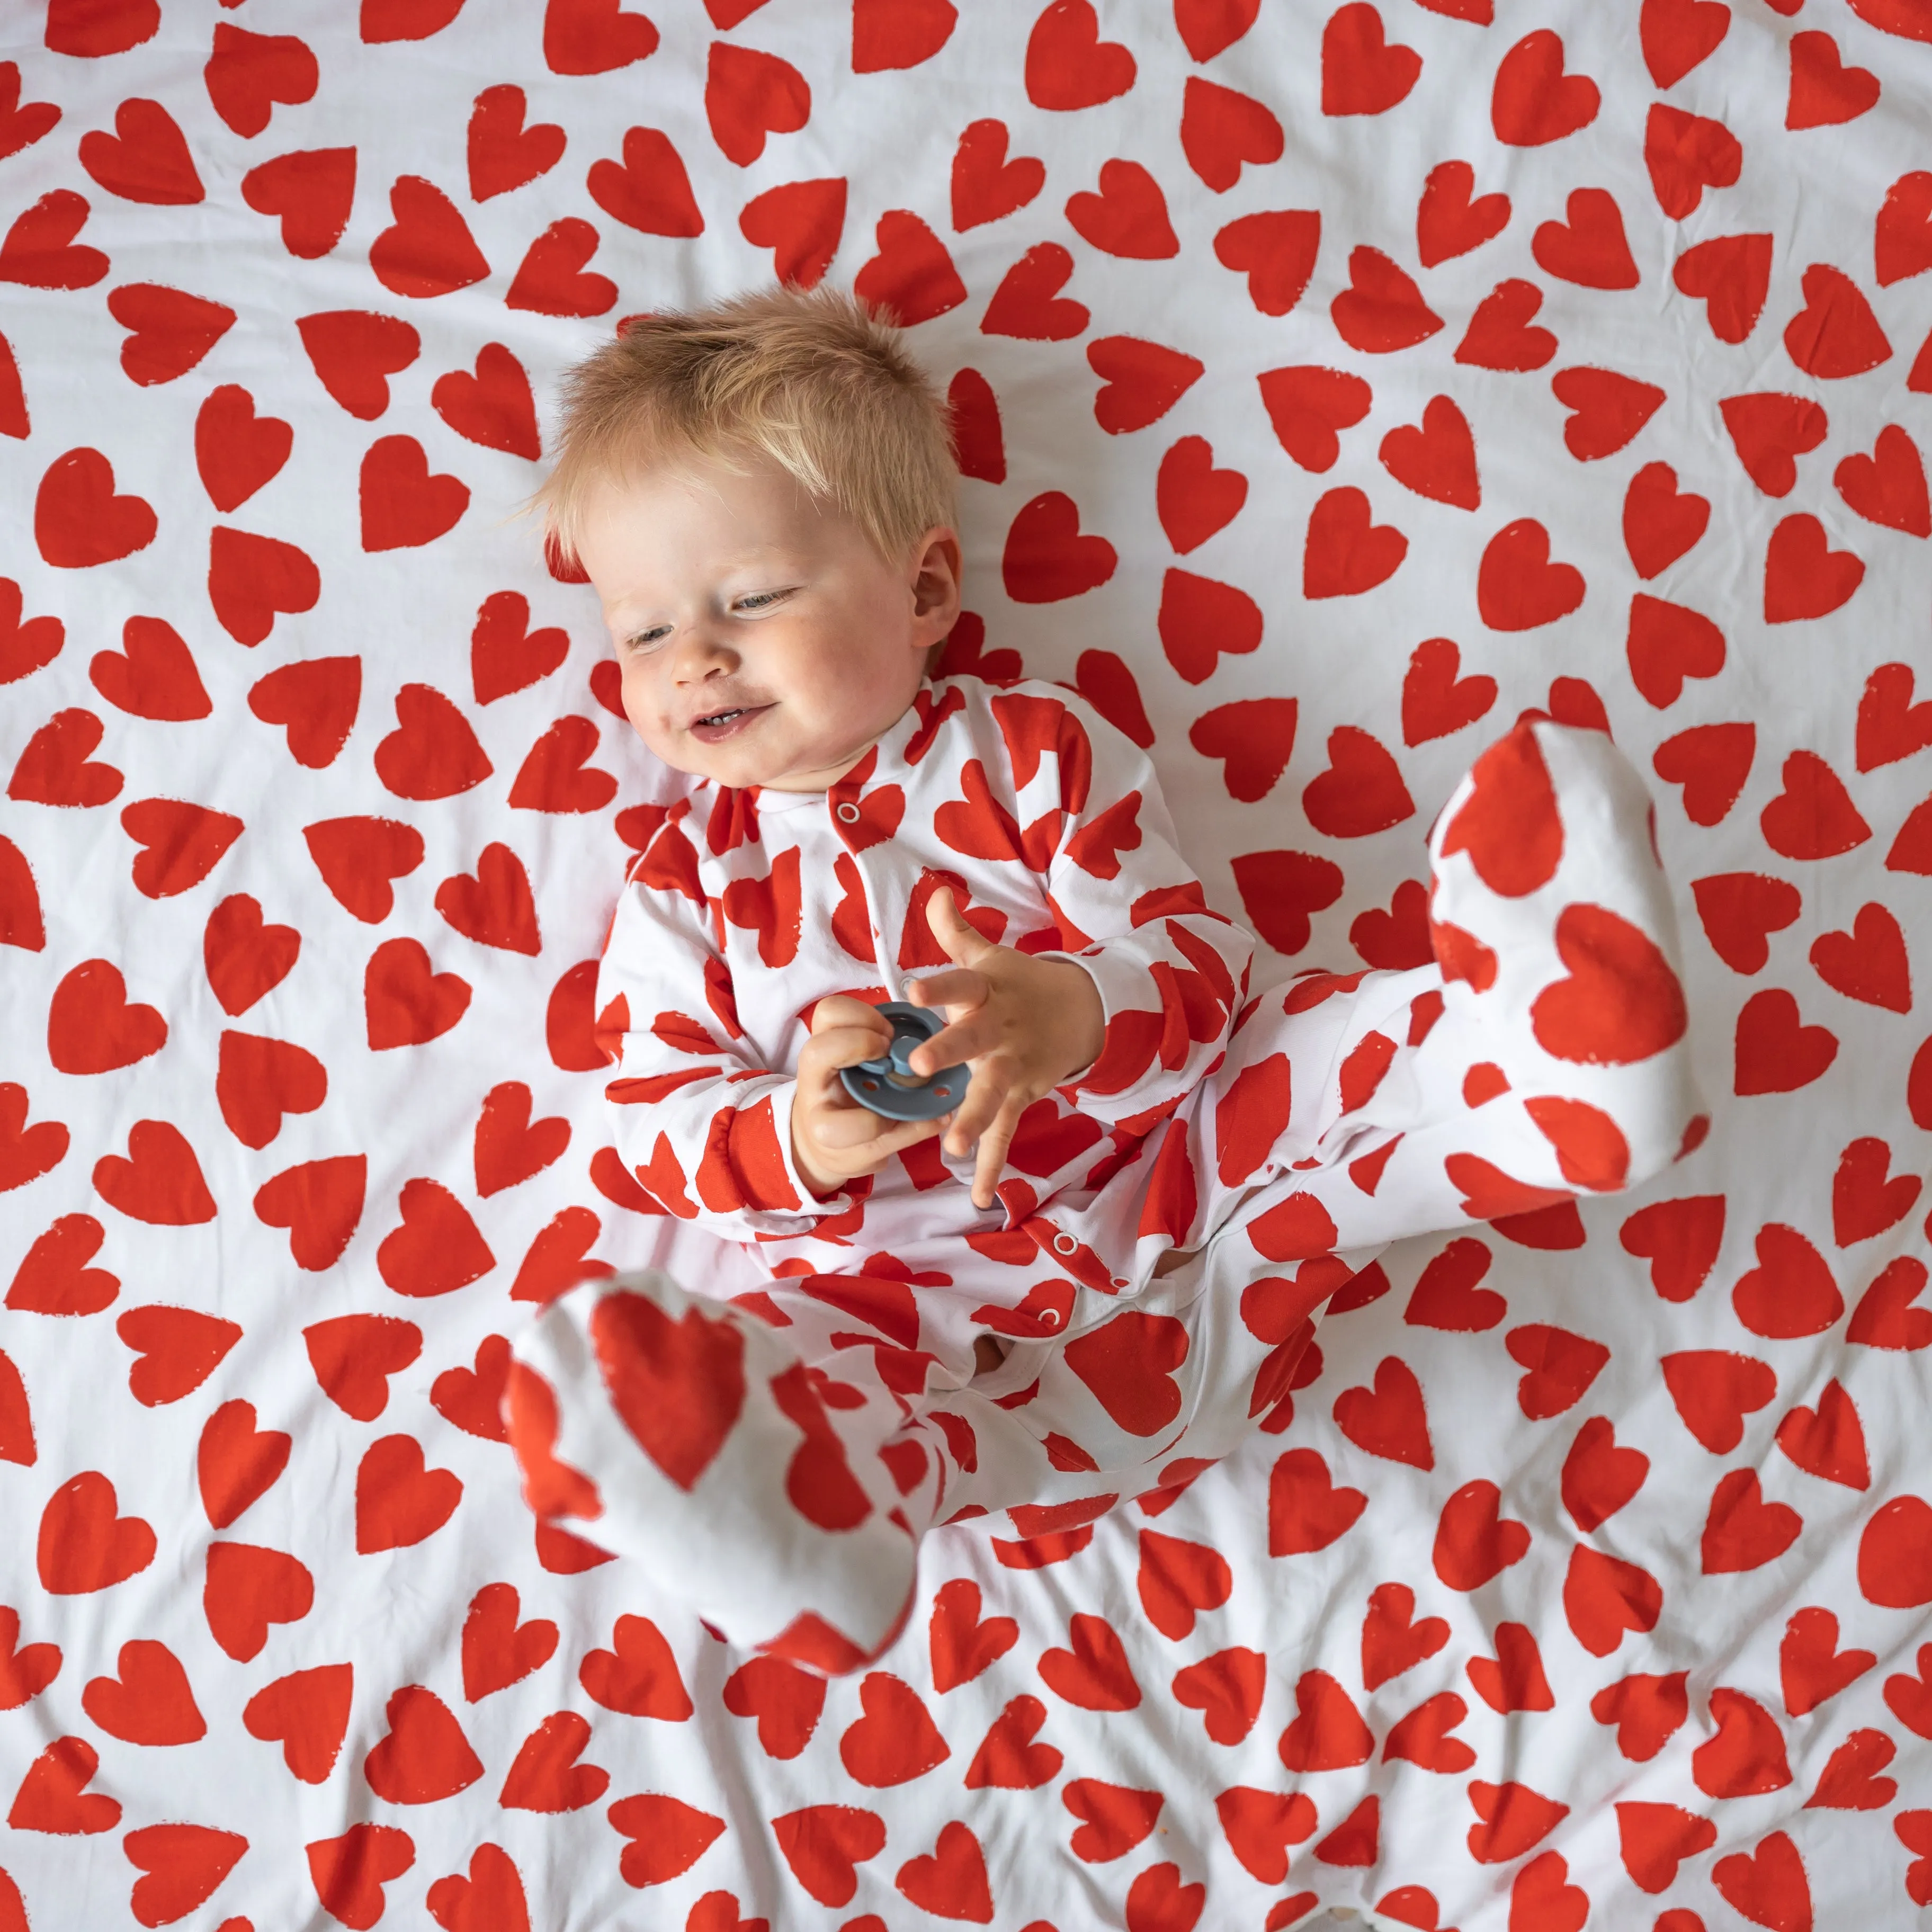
x: 1589, y: 248
x: 649, y: 190
x: 545, y: 1777
x: 1279, y: 892
x: 1513, y: 1679
x: 153, y: 675
x: 1390, y: 1420
x: 1680, y: 1239
x: 1308, y: 406
x: 1518, y: 587
x: 424, y: 1756
x: 436, y: 1249
x: 1770, y: 433
x: 1353, y: 1842
x: 1739, y: 909
x: 490, y: 1898
x: 1381, y: 310
x: 307, y: 1713
x: 1535, y: 101
x: 1835, y: 334
x: 1888, y: 486
x: 1435, y: 702
x: 1654, y: 1839
x: 552, y: 279
x: 349, y: 1873
x: 1307, y: 1510
x: 1127, y: 1363
x: 152, y: 1701
x: 1828, y: 1441
x: 1221, y: 130
x: 503, y: 153
x: 1450, y: 220
x: 1864, y: 1201
x: 320, y: 1203
x: 1397, y: 940
x: 505, y: 654
x: 21, y: 126
x: 498, y: 1651
x: 25, y: 1671
x: 962, y: 1643
x: 248, y: 75
x: 146, y: 159
x: 1177, y: 1578
x: 1439, y: 460
x: 494, y: 906
x: 1902, y: 241
x: 1811, y: 1668
x: 1007, y: 1759
x: 1422, y: 1738
x: 258, y: 1081
x: 494, y: 407
x: 950, y: 1882
x: 176, y: 1350
x: 85, y: 1544
x: 1868, y: 963
x: 235, y: 451
x: 92, y: 1027
x: 1647, y: 1711
x: 181, y: 844
x: 53, y: 1279
x: 1068, y: 65
x: 1128, y: 216
x: 312, y: 192
x: 1114, y: 1818
x: 246, y: 1589
x: 1511, y: 1818
x: 25, y: 646
x: 354, y: 352
x: 1743, y: 1531
x: 986, y: 186
x: 1500, y: 336
x: 1677, y: 35
x: 1687, y: 153
x: 802, y: 223
x: 640, y: 1676
x: 1713, y: 1390
x: 584, y: 37
x: 1200, y: 619
x: 1254, y: 735
x: 1790, y: 1294
x: 1094, y: 1673
x: 353, y: 1357
x: 1227, y: 1689
x: 1745, y: 1756
x: 357, y: 858
x: 1895, y: 1555
x: 1473, y: 1541
x: 1814, y: 817
x: 1193, y: 499
x: 400, y: 1501
x: 53, y: 1796
x: 1276, y: 249
x: 1598, y: 1476
x: 1910, y: 1698
x: 973, y: 413
x: 1362, y: 72
x: 1140, y: 381
x: 1210, y: 27
x: 79, y: 522
x: 1850, y: 1781
x: 432, y: 753
x: 317, y: 700
x: 1731, y: 275
x: 1560, y: 1367
x: 1346, y: 553
x: 161, y: 1181
x: 748, y: 95
x: 555, y: 775
x: 1661, y: 522
x: 172, y: 331
x: 824, y: 1844
x: 679, y: 1387
x: 39, y: 250
x: 427, y: 250
x: 1824, y: 92
x: 1607, y: 409
x: 1622, y: 1002
x: 509, y: 1147
x: 1446, y: 1295
x: 235, y: 1463
x: 402, y: 506
x: 1392, y: 1642
x: 1667, y: 643
x: 896, y: 1741
x: 253, y: 579
x: 1047, y: 558
x: 1773, y: 1051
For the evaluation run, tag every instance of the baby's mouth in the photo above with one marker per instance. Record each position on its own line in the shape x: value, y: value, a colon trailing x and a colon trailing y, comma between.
x: 717, y: 725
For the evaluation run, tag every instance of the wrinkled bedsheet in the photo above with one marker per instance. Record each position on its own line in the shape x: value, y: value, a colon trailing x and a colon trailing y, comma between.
x: 1332, y: 384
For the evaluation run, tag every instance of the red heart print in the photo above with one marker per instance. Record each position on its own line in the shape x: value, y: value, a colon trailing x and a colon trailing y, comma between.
x: 1128, y: 216
x: 236, y: 1463
x: 1589, y: 248
x: 1829, y: 1441
x: 153, y: 675
x: 1307, y: 1510
x: 1647, y: 1711
x: 1542, y: 1895
x: 1276, y: 249
x: 545, y: 1777
x: 25, y: 1673
x: 1514, y: 1680
x: 1381, y: 310
x: 353, y: 1357
x: 1769, y: 433
x: 649, y: 190
x: 424, y: 1756
x: 146, y: 159
x: 1864, y: 1201
x: 432, y: 753
x: 1449, y: 221
x: 1193, y: 499
x: 85, y: 1544
x: 1499, y: 335
x: 1260, y: 1826
x: 498, y: 1651
x: 1114, y: 1818
x: 92, y: 1027
x: 403, y: 506
x: 552, y: 279
x: 1518, y: 587
x: 491, y: 1899
x: 509, y: 1147
x: 787, y: 1703
x: 1509, y: 824
x: 1007, y: 1759
x: 1511, y: 1818
x: 1895, y: 1555
x: 311, y: 192
x: 151, y: 1703
x: 822, y: 1844
x: 53, y: 1796
x: 1850, y: 1781
x: 1680, y: 1239
x: 494, y: 906
x: 317, y: 701
x: 79, y: 522
x: 1661, y: 522
x: 1094, y: 1673
x: 802, y: 221
x: 1199, y: 619
x: 182, y: 844
x: 177, y: 1350
x: 985, y: 185
x: 182, y: 1866
x: 1888, y: 486
x: 1811, y: 1668
x: 1739, y: 909
x: 583, y: 36
x: 253, y: 579
x: 159, y: 1182
x: 427, y: 250
x: 1353, y: 1842
x: 962, y: 1643
x: 1774, y: 1052
x: 503, y: 153
x: 1677, y: 35
x: 1731, y: 275
x: 950, y: 1882
x: 896, y: 1741
x: 1561, y: 1367
x: 1308, y: 406
x: 1127, y: 1363
x: 21, y: 126
x: 258, y: 1081
x: 1141, y: 381
x: 505, y: 654
x: 354, y: 352
x: 1824, y: 92
x: 1902, y: 241
x: 1598, y: 1476
x: 1254, y: 735
x: 54, y: 768
x: 1473, y: 1542
x: 435, y: 1249
x: 678, y: 1386
x: 320, y: 1203
x: 399, y: 1501
x: 1687, y: 153
x: 1390, y: 1420
x: 1814, y: 817
x: 1227, y: 1689
x: 1362, y: 72
x: 1867, y: 964
x: 24, y: 647
x: 890, y: 35
x: 1392, y: 1641
x: 1835, y: 334
x: 1745, y: 1757
x: 1713, y: 1390
x: 1667, y: 643
x: 1790, y: 1293
x: 357, y: 858
x: 1210, y: 27
x: 1398, y: 939
x: 1743, y: 1531
x: 53, y: 1279
x: 639, y: 1677
x: 1535, y: 101
x: 246, y: 1589
x: 1910, y: 1700
x: 554, y: 775
x: 248, y: 75
x: 1068, y: 65
x: 1608, y: 409
x: 1346, y: 552
x: 472, y: 1399
x: 494, y: 407
x: 40, y: 251
x: 748, y: 95
x: 1421, y: 1738
x: 1654, y: 1839
x: 1435, y: 702
x: 1222, y: 131
x: 1439, y: 460
x: 172, y: 330
x: 237, y: 452
x: 1178, y: 1579
x: 349, y: 1873
x: 1622, y: 1002
x: 1047, y: 558
x: 1446, y: 1296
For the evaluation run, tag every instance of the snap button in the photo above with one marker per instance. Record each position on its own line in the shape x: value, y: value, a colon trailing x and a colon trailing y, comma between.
x: 1065, y: 1244
x: 1049, y: 1317
x: 848, y: 811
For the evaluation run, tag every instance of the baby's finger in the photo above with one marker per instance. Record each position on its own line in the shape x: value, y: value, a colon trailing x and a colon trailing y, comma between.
x: 846, y: 1046
x: 840, y: 1009
x: 985, y: 1094
x: 964, y: 1039
x: 992, y: 1161
x: 961, y: 942
x: 957, y: 986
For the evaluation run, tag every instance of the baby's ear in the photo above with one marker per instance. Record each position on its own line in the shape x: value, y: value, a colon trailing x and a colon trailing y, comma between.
x: 935, y: 578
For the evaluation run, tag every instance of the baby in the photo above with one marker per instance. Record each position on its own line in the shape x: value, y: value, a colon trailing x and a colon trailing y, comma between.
x: 1097, y: 1276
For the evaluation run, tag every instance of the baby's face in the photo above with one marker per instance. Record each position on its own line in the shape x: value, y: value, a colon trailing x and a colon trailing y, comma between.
x: 763, y: 641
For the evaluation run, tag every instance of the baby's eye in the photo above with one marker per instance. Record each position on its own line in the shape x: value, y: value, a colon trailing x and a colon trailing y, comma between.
x: 641, y: 640
x: 761, y: 600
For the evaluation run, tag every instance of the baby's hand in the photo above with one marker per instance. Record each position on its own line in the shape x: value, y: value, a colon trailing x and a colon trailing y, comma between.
x: 1024, y: 1025
x: 833, y: 1138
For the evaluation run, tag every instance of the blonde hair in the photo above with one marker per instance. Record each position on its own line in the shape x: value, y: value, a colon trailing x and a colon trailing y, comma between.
x: 810, y: 380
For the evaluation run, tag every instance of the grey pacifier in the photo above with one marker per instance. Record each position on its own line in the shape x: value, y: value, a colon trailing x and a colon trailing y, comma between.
x: 888, y: 1087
